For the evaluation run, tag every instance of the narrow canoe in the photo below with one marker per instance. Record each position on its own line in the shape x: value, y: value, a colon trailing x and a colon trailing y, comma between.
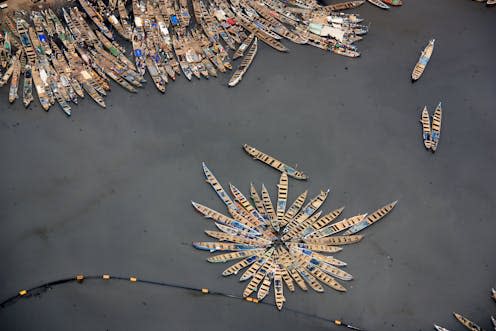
x: 419, y: 68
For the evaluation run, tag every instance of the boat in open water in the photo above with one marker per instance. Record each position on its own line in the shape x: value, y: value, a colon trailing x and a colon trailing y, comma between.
x: 426, y: 128
x: 276, y: 164
x: 436, y: 126
x: 419, y: 68
x: 467, y: 323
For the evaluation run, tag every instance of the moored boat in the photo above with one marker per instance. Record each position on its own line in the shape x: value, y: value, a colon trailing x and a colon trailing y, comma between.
x: 155, y: 74
x: 393, y: 2
x: 346, y: 5
x: 14, y: 84
x: 244, y: 65
x: 40, y: 89
x: 27, y: 94
x: 379, y: 4
x: 244, y: 45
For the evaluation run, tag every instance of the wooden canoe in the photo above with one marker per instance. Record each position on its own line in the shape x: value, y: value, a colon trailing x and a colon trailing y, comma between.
x: 346, y: 5
x: 425, y: 56
x: 467, y: 323
x: 379, y: 4
x: 393, y: 2
x: 269, y: 160
x: 371, y: 219
x: 27, y: 93
x: 244, y: 46
x: 440, y: 328
x: 426, y: 128
x: 436, y: 126
x: 244, y: 65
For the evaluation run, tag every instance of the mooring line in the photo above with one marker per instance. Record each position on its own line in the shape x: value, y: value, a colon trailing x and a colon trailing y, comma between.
x: 27, y: 293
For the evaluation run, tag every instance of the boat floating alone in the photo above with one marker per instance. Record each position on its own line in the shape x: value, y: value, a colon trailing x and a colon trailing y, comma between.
x: 419, y: 68
x: 274, y: 163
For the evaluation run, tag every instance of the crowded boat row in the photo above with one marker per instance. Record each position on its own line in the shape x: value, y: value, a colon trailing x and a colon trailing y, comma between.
x: 63, y: 54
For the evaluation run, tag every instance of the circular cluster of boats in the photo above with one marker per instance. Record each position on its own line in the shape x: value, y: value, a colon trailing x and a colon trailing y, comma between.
x: 280, y: 246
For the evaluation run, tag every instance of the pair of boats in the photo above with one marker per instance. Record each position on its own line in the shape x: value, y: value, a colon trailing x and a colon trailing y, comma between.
x: 279, y: 246
x: 431, y: 132
x: 468, y: 324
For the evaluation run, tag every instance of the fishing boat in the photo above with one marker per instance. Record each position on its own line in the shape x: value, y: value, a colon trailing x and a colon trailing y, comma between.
x: 139, y: 53
x: 371, y: 219
x: 426, y: 128
x: 276, y: 25
x: 124, y: 32
x: 40, y: 89
x: 96, y: 18
x: 14, y: 84
x: 346, y: 5
x: 344, y: 50
x: 115, y: 51
x: 419, y: 68
x: 26, y: 41
x: 60, y: 99
x: 440, y: 328
x: 491, y: 3
x: 155, y: 74
x: 183, y: 63
x: 276, y: 164
x: 436, y: 126
x: 244, y: 65
x: 467, y: 323
x: 6, y: 76
x: 27, y: 94
x: 393, y: 2
x: 252, y: 28
x: 379, y: 4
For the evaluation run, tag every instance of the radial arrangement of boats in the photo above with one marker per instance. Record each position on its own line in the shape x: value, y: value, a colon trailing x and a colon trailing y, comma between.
x: 281, y: 245
x: 64, y: 54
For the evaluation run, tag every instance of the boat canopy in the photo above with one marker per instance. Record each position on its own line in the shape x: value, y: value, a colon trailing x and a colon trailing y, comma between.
x: 174, y: 20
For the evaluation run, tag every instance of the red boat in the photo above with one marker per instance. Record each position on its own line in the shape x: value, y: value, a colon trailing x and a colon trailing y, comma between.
x: 393, y: 2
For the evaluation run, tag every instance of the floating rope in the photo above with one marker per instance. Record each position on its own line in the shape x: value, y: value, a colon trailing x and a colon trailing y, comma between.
x: 27, y: 293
